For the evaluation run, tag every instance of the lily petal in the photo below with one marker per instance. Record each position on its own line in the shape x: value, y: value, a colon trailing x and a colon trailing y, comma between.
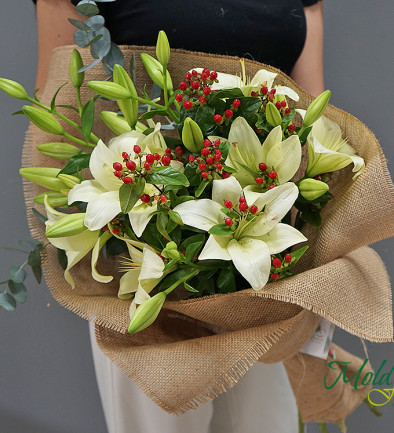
x: 282, y: 236
x: 139, y: 216
x: 100, y: 166
x: 102, y: 209
x: 252, y: 259
x: 95, y: 254
x: 85, y: 191
x: 226, y: 189
x: 216, y: 248
x: 283, y: 90
x: 128, y: 283
x: 202, y: 214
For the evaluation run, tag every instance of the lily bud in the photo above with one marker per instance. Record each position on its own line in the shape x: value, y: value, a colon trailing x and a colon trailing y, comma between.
x: 146, y: 313
x: 69, y: 225
x: 55, y: 198
x: 163, y: 49
x: 115, y: 123
x: 171, y: 251
x: 311, y: 189
x: 44, y: 176
x: 69, y: 180
x: 129, y: 107
x: 272, y: 114
x: 43, y: 120
x: 316, y: 109
x: 76, y: 64
x: 155, y: 71
x: 58, y: 150
x: 109, y: 89
x: 192, y: 136
x: 13, y: 89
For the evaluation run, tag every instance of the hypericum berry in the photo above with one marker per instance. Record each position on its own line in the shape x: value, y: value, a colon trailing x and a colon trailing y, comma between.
x: 205, y: 151
x: 202, y: 166
x: 213, y: 75
x: 178, y: 97
x: 195, y: 85
x: 229, y: 114
x: 217, y: 118
x: 156, y: 156
x: 147, y: 166
x: 278, y: 105
x: 291, y: 128
x: 204, y: 174
x: 236, y: 103
x: 206, y: 90
x: 168, y: 150
x: 163, y: 198
x: 183, y: 86
x: 105, y: 228
x: 202, y: 99
x: 209, y: 160
x: 273, y: 91
x: 145, y: 198
x: 194, y: 73
x: 228, y: 222
x: 271, y: 187
x: 259, y: 180
x: 217, y: 157
x: 228, y: 204
x: 262, y: 166
x: 118, y: 173
x: 253, y: 209
x: 242, y: 199
x: 258, y: 130
x: 136, y: 148
x: 276, y: 263
x: 131, y: 165
x: 165, y: 160
x: 288, y: 258
x: 283, y: 103
x: 115, y: 230
x: 187, y: 105
x: 225, y: 175
x: 264, y: 90
x: 150, y: 158
x: 272, y: 174
x: 206, y: 143
x: 191, y: 158
x: 274, y: 276
x: 287, y: 111
x: 127, y: 180
x: 206, y: 71
x: 125, y: 155
x: 219, y: 166
x: 243, y: 207
x: 179, y: 150
x: 253, y: 93
x: 204, y: 76
x: 216, y: 142
x: 188, y: 76
x: 117, y: 166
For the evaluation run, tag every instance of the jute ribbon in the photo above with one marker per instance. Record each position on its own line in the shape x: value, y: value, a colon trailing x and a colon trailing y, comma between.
x: 181, y: 360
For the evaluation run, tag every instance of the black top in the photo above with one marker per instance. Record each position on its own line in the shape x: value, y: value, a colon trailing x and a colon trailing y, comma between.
x: 269, y: 31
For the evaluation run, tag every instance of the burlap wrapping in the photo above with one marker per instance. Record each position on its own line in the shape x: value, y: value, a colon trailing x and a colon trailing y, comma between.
x: 179, y: 361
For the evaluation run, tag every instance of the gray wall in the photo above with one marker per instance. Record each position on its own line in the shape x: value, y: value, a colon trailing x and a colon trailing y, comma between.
x: 47, y: 381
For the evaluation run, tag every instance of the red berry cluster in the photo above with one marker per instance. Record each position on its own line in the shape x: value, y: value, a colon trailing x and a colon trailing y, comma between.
x: 210, y: 161
x: 244, y: 210
x: 279, y: 265
x: 196, y: 87
x: 268, y: 178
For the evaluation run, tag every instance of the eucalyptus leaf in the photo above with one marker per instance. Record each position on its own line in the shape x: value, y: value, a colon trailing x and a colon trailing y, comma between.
x: 34, y: 258
x: 129, y: 194
x: 102, y: 46
x: 18, y: 291
x: 28, y: 242
x: 79, y: 24
x: 62, y: 258
x: 95, y: 23
x: 114, y: 57
x: 90, y: 65
x: 81, y: 38
x: 155, y: 92
x: 17, y: 274
x: 39, y: 216
x: 7, y: 301
x: 76, y: 163
x: 37, y: 272
x: 87, y: 7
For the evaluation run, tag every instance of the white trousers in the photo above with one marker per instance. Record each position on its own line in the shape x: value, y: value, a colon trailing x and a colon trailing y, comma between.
x: 261, y: 402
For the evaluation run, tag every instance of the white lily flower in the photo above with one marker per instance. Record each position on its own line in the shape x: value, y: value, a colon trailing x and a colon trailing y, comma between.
x: 328, y: 151
x: 102, y: 193
x: 283, y: 157
x: 77, y: 246
x: 228, y: 81
x: 254, y: 235
x: 145, y: 269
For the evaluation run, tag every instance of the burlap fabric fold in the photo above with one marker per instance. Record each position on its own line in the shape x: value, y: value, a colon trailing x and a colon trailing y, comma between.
x: 182, y: 360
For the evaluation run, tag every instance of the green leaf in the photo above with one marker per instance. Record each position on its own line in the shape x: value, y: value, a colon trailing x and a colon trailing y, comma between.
x: 190, y: 240
x: 37, y: 272
x: 76, y: 163
x: 53, y: 102
x: 220, y: 230
x: 18, y: 291
x: 192, y: 250
x: 151, y: 113
x: 312, y: 217
x: 87, y: 119
x: 175, y: 217
x: 115, y: 246
x: 305, y: 134
x: 224, y: 147
x: 228, y: 93
x: 17, y: 274
x: 129, y: 194
x: 226, y: 281
x: 190, y: 288
x: 7, y: 301
x: 248, y: 108
x: 250, y: 170
x: 39, y: 216
x: 70, y: 107
x: 62, y: 258
x: 165, y: 175
x: 174, y: 277
x: 201, y: 188
x: 34, y: 258
x: 171, y: 225
x: 204, y: 118
x: 296, y: 255
x: 190, y: 172
x: 161, y: 224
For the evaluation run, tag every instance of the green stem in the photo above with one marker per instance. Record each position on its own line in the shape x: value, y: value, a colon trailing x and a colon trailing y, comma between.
x: 300, y: 132
x: 323, y: 427
x: 301, y: 425
x: 78, y: 95
x: 78, y: 141
x: 165, y: 87
x: 182, y: 280
x: 373, y: 408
